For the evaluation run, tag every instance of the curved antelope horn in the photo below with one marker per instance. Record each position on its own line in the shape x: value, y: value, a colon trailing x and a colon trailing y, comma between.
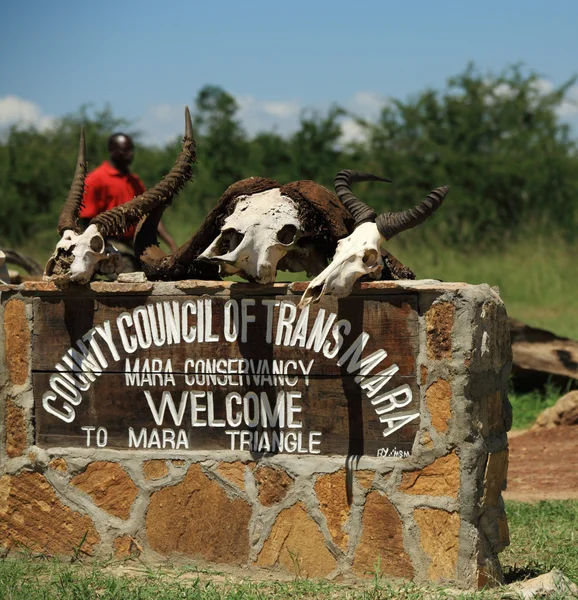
x: 360, y: 212
x: 392, y: 223
x: 68, y: 218
x: 114, y: 222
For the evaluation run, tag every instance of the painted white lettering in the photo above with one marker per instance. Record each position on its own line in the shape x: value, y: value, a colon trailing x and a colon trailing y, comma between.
x: 291, y: 409
x: 246, y: 317
x: 188, y: 307
x: 167, y: 401
x: 88, y: 429
x: 287, y: 314
x: 129, y: 344
x: 270, y: 304
x: 330, y: 352
x: 231, y: 321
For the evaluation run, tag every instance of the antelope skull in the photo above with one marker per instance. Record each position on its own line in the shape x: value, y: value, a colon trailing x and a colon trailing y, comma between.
x: 261, y: 230
x: 360, y: 253
x: 78, y: 255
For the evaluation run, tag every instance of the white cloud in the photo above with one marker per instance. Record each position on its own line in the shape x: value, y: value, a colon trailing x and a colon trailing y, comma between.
x: 352, y: 131
x: 368, y: 102
x: 17, y: 111
x: 282, y: 110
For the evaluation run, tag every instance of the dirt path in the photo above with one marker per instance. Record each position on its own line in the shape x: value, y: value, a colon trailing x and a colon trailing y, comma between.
x: 543, y: 465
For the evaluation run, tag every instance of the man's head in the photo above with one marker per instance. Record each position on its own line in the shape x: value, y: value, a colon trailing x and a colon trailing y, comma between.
x: 121, y: 150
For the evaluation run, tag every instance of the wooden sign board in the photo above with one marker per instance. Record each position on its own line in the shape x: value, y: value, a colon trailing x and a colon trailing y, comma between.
x: 234, y: 373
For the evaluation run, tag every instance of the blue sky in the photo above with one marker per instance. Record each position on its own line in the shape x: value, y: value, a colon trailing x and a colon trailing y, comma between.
x: 148, y: 59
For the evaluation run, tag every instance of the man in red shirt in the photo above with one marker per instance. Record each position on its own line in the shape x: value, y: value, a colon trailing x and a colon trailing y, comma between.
x: 112, y: 184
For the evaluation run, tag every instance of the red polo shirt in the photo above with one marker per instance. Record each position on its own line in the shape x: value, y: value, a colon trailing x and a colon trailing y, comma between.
x: 106, y: 187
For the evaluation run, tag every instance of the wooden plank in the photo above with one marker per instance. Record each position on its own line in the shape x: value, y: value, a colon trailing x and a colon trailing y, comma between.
x: 337, y: 409
x: 390, y: 322
x: 108, y: 362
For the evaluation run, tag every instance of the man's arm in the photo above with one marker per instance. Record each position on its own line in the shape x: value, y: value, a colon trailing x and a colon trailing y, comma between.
x: 166, y: 237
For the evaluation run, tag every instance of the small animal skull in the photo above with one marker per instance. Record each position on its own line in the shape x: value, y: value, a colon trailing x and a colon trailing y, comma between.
x: 262, y: 229
x: 357, y: 255
x: 79, y: 257
x: 360, y: 254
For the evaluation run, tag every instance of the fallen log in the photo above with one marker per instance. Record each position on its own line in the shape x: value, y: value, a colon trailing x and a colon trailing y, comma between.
x: 540, y: 357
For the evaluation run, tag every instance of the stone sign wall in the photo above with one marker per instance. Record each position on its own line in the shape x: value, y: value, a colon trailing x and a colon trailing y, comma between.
x: 218, y: 422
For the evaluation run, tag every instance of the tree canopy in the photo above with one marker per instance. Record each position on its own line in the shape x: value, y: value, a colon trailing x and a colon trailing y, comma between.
x: 497, y: 140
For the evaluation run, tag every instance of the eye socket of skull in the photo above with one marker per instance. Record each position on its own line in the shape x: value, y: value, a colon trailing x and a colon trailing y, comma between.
x: 286, y: 235
x: 96, y: 244
x: 370, y: 257
x: 230, y: 239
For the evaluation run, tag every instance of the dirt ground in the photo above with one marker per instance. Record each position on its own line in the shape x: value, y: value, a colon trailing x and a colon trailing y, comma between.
x: 543, y: 465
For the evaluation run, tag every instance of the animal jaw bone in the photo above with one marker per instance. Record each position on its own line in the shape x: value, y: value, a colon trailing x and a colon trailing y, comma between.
x: 262, y: 229
x: 360, y: 253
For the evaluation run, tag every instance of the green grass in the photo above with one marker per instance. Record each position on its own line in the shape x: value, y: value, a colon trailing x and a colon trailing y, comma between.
x: 544, y: 536
x: 527, y: 407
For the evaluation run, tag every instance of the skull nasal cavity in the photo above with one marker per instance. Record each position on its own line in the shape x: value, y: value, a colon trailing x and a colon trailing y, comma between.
x: 97, y: 244
x: 230, y: 239
x: 369, y: 257
x: 287, y: 234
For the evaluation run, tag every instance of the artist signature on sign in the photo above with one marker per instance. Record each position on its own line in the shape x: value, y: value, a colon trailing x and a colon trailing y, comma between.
x: 386, y: 452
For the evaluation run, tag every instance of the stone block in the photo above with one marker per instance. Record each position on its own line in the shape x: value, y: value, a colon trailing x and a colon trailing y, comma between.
x: 273, y: 484
x: 495, y: 478
x: 439, y: 321
x: 32, y: 517
x: 16, y: 437
x: 365, y: 478
x: 125, y: 547
x: 439, y: 537
x: 155, y: 469
x: 381, y: 545
x: 197, y: 518
x: 109, y: 486
x: 438, y: 398
x: 297, y: 545
x: 17, y: 341
x: 233, y: 472
x: 58, y: 464
x: 441, y: 478
x: 331, y: 492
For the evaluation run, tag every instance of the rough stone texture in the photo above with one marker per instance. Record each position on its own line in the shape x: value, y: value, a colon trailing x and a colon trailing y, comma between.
x: 381, y: 542
x: 564, y: 412
x: 297, y: 545
x: 365, y: 478
x: 31, y: 515
x: 495, y: 478
x: 331, y: 491
x: 273, y: 484
x: 439, y: 321
x: 126, y: 546
x: 178, y: 463
x: 15, y: 430
x: 155, y: 469
x: 58, y: 464
x: 197, y: 518
x: 441, y: 478
x: 17, y: 341
x: 233, y: 472
x: 438, y: 398
x: 109, y: 486
x: 491, y: 414
x: 439, y: 535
